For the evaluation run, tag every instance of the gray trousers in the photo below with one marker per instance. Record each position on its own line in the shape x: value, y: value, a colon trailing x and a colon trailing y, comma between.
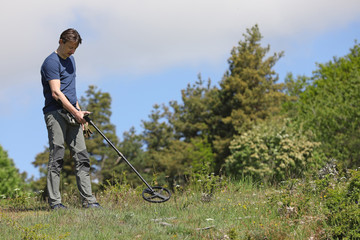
x: 61, y: 132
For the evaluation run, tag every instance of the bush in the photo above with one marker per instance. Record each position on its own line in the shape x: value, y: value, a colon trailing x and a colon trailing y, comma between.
x: 10, y: 179
x: 342, y: 203
x: 272, y: 151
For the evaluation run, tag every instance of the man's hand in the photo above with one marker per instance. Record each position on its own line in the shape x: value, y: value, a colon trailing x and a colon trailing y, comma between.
x: 79, y: 116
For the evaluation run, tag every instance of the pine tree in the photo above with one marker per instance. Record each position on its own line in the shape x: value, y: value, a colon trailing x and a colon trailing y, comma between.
x: 193, y: 118
x: 103, y: 158
x: 131, y: 146
x: 248, y: 91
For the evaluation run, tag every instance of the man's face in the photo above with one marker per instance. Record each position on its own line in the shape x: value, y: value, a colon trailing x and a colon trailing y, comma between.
x: 65, y: 50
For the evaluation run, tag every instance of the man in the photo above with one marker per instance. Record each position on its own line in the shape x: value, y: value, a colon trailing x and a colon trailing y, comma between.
x: 65, y: 120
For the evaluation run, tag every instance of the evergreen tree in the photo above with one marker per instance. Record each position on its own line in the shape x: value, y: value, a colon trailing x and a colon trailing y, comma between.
x: 10, y: 178
x: 193, y: 123
x: 157, y: 136
x: 193, y: 118
x: 131, y: 148
x: 157, y: 132
x: 248, y: 91
x: 103, y: 157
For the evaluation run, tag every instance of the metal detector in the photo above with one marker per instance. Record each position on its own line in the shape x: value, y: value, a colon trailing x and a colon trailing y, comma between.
x: 151, y: 194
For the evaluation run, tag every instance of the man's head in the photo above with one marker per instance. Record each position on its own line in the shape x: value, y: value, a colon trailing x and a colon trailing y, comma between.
x: 70, y: 35
x: 68, y: 43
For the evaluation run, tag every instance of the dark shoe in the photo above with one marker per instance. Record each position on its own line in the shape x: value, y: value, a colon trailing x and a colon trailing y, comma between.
x: 58, y: 206
x: 92, y: 205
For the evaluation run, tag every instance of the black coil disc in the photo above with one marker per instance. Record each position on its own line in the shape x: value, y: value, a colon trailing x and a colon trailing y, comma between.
x: 156, y: 194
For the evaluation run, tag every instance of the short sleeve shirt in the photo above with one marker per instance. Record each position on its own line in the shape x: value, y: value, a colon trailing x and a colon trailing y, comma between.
x: 54, y: 67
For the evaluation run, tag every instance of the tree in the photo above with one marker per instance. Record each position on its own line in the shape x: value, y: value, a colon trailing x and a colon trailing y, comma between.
x: 131, y: 147
x: 248, y: 92
x: 10, y: 178
x: 193, y: 117
x: 293, y: 88
x: 177, y: 136
x: 193, y: 122
x: 211, y: 116
x: 157, y: 136
x: 157, y: 132
x: 330, y: 107
x: 102, y: 155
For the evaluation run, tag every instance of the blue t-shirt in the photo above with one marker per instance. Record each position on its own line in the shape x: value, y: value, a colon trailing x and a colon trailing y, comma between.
x: 54, y: 67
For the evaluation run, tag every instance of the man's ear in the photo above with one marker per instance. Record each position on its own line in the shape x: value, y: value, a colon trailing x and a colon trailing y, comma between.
x: 61, y: 41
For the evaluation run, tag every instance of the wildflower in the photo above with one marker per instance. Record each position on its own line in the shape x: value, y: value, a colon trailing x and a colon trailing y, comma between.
x: 17, y: 189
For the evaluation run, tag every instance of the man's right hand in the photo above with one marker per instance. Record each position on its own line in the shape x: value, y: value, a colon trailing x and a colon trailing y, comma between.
x: 79, y: 116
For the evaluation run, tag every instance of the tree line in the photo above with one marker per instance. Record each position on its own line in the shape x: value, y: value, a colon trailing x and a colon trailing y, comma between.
x: 248, y: 124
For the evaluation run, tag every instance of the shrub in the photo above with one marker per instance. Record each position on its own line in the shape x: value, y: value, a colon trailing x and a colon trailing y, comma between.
x: 342, y: 203
x: 272, y: 151
x: 10, y: 178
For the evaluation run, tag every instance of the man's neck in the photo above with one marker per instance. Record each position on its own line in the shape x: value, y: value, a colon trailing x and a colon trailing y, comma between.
x: 60, y: 55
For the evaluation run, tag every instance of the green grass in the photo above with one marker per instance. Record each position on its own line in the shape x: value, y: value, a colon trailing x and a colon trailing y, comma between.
x: 240, y: 210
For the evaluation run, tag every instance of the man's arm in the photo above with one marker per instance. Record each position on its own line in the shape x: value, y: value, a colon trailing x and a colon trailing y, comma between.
x: 61, y: 98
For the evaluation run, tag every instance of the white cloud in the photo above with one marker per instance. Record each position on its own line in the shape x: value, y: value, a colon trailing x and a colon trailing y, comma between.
x: 141, y: 35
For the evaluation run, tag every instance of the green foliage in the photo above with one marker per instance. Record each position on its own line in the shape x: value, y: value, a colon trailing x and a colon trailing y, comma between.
x: 272, y: 151
x: 10, y: 179
x: 201, y: 157
x: 329, y: 107
x: 131, y: 147
x: 103, y: 158
x: 248, y: 91
x: 207, y: 184
x: 342, y: 202
x: 353, y: 190
x: 118, y: 192
x: 293, y: 88
x: 158, y: 136
x: 157, y: 131
x: 193, y: 117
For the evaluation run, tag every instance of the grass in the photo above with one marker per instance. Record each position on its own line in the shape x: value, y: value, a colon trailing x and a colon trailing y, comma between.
x: 240, y: 210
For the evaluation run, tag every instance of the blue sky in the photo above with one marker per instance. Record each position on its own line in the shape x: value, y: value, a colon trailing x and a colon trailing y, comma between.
x: 144, y: 52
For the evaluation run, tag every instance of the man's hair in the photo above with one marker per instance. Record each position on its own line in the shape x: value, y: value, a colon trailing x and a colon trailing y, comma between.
x: 70, y: 35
